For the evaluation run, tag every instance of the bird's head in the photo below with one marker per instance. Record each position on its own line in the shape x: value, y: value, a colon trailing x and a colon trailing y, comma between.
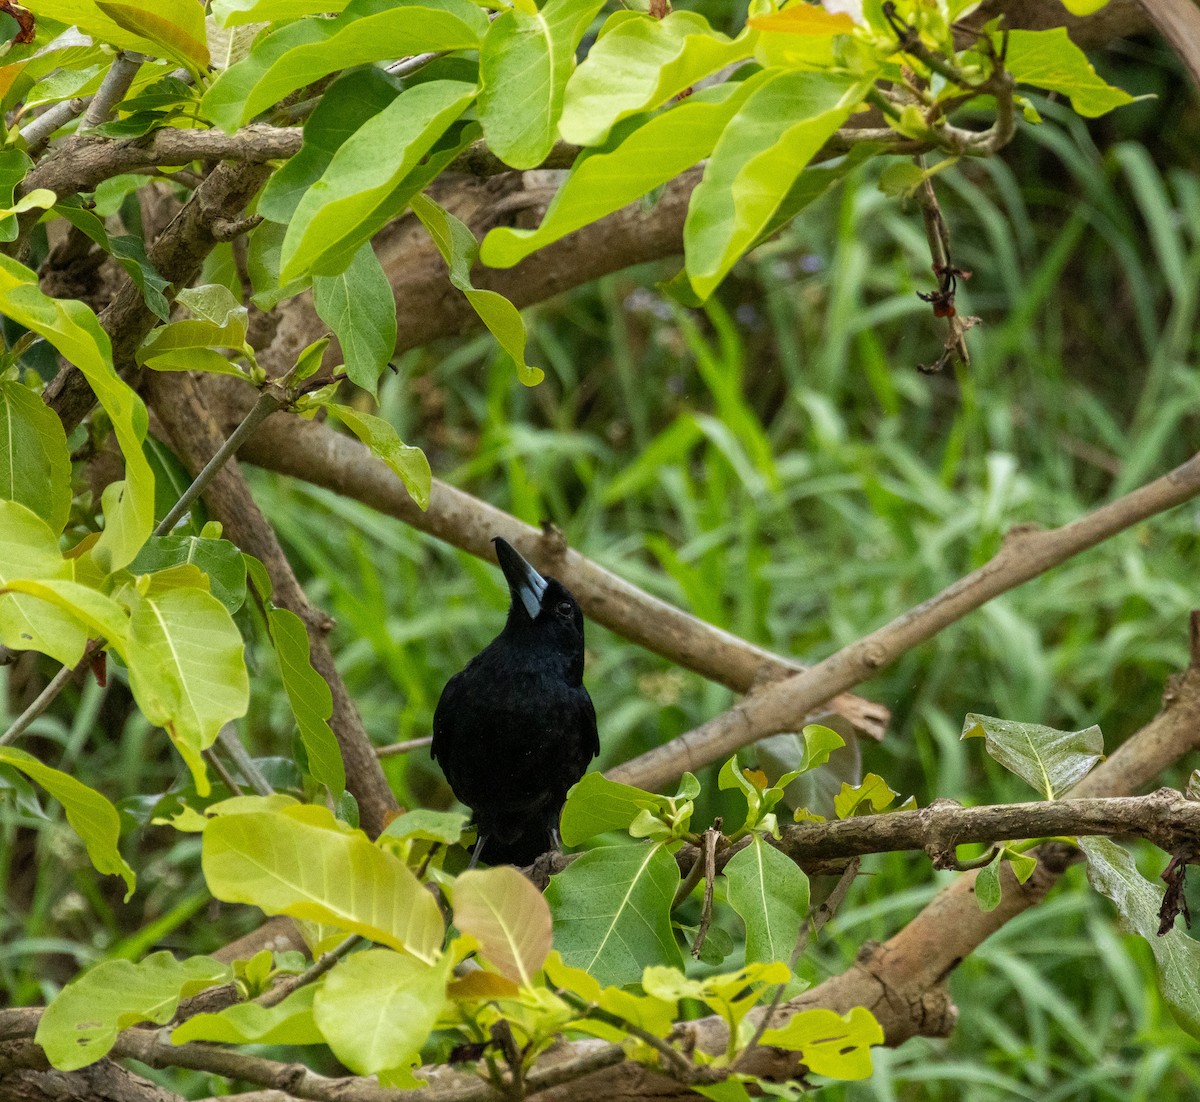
x: 542, y: 605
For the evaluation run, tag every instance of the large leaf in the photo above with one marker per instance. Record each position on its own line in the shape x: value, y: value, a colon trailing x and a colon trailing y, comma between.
x: 377, y: 1008
x: 596, y: 805
x: 100, y: 615
x: 775, y: 133
x: 288, y: 1023
x: 524, y: 64
x: 219, y: 559
x: 1112, y: 872
x: 409, y: 463
x: 459, y: 249
x: 612, y: 911
x: 35, y: 465
x: 72, y: 328
x: 1049, y: 760
x: 29, y: 550
x: 826, y: 1043
x: 361, y: 188
x: 186, y: 668
x: 176, y: 27
x: 358, y: 305
x: 87, y: 16
x: 93, y: 818
x: 233, y: 13
x: 771, y: 895
x: 306, y: 51
x: 640, y: 62
x: 352, y: 99
x: 309, y: 697
x: 509, y: 918
x: 299, y: 862
x: 1050, y: 60
x: 606, y: 180
x: 83, y: 1021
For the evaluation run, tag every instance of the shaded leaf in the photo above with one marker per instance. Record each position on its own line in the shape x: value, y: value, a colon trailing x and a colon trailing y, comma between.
x: 35, y: 465
x: 596, y: 805
x: 770, y: 893
x: 1050, y: 761
x: 1112, y: 872
x: 431, y: 826
x: 612, y: 911
x: 309, y: 697
x: 459, y: 249
x: 358, y: 305
x: 219, y: 559
x: 91, y: 816
x: 288, y: 1023
x: 176, y: 27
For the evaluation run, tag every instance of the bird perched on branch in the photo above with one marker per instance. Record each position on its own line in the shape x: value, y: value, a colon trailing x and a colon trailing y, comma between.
x: 516, y: 728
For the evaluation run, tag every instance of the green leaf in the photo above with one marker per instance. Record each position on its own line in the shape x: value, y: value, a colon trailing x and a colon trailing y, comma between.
x: 82, y: 1022
x: 1050, y: 60
x: 1049, y: 760
x: 430, y: 826
x: 176, y: 27
x: 1084, y: 7
x: 639, y: 63
x: 409, y: 463
x: 612, y: 911
x: 88, y: 17
x: 509, y: 918
x: 309, y: 697
x: 288, y: 1023
x: 233, y: 13
x: 632, y: 165
x: 14, y: 165
x: 358, y: 305
x: 732, y: 776
x: 91, y: 816
x: 100, y: 615
x: 835, y: 1045
x: 186, y: 668
x: 350, y: 101
x: 596, y: 805
x: 987, y: 885
x: 459, y: 249
x: 1112, y: 872
x: 29, y: 549
x: 35, y: 464
x: 524, y: 64
x: 377, y: 1008
x: 770, y: 893
x: 219, y: 559
x: 869, y: 798
x: 300, y: 862
x: 303, y: 52
x: 72, y: 328
x: 775, y: 133
x: 364, y: 187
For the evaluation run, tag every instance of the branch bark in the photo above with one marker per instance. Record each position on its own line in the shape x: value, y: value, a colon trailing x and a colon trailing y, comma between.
x: 1025, y: 553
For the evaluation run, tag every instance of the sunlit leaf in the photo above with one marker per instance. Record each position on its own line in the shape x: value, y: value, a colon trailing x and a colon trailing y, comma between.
x: 83, y: 1020
x: 35, y: 465
x: 596, y: 805
x: 176, y: 27
x: 288, y: 1023
x: 1050, y: 60
x: 409, y: 463
x: 807, y: 19
x: 826, y: 1043
x: 509, y: 918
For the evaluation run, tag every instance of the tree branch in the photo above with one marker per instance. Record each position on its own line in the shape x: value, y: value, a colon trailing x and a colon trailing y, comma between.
x: 1025, y: 553
x: 318, y: 454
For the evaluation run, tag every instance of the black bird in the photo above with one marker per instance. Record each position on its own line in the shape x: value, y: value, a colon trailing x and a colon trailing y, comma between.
x: 516, y: 728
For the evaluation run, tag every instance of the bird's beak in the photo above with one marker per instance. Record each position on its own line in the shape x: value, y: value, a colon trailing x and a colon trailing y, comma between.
x: 524, y: 583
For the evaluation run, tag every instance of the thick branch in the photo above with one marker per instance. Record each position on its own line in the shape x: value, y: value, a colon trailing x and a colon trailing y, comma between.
x: 1025, y: 554
x: 316, y: 453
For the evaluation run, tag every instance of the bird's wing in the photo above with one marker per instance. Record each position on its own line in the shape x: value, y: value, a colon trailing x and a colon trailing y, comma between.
x: 442, y: 716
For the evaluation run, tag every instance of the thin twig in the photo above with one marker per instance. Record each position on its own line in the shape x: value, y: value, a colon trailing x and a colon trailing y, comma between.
x: 44, y: 699
x: 402, y: 747
x: 116, y: 83
x: 269, y: 401
x: 232, y: 745
x: 314, y: 971
x: 711, y: 836
x: 37, y: 133
x: 213, y: 759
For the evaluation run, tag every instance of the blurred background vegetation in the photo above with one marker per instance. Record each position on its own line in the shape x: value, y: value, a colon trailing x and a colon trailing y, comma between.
x: 777, y: 464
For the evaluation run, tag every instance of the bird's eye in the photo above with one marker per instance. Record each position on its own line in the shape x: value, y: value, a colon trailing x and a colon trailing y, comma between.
x: 564, y: 608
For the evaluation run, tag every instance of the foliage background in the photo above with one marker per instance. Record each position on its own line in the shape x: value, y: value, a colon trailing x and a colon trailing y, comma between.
x: 777, y: 465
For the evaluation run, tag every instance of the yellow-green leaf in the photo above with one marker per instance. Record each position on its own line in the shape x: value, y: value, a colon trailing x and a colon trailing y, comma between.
x: 35, y: 465
x: 836, y: 1045
x: 509, y: 918
x: 176, y: 27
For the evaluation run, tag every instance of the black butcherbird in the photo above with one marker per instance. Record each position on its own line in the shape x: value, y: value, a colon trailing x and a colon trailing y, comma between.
x: 516, y: 728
